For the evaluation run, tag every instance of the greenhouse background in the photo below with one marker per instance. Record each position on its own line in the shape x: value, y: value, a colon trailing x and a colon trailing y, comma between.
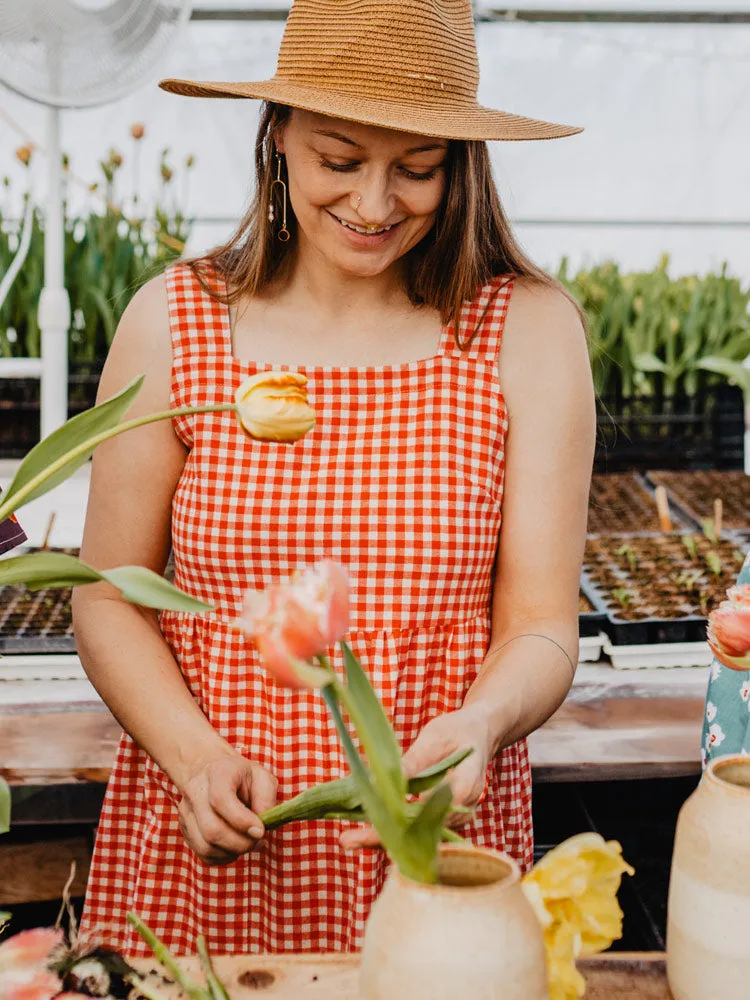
x: 664, y: 97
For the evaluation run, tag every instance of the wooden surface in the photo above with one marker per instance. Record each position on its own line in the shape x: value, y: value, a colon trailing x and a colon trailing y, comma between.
x: 334, y: 977
x: 614, y: 724
x: 36, y: 872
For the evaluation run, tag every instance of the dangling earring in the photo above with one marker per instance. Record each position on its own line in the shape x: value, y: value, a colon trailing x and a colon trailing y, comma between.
x: 283, y: 234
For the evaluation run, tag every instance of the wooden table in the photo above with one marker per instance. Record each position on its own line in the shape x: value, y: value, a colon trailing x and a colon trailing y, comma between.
x: 614, y: 724
x: 334, y: 977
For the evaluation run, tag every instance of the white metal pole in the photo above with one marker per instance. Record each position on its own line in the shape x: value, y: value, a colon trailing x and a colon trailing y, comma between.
x: 54, y: 303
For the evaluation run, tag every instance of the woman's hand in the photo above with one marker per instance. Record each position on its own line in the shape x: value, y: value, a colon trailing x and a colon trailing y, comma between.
x: 443, y: 735
x: 220, y: 806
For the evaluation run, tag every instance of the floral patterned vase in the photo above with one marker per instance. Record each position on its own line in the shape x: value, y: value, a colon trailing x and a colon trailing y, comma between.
x: 474, y: 935
x: 726, y: 727
x: 708, y: 924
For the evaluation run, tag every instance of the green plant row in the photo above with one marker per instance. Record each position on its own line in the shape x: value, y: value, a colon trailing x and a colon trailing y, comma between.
x: 109, y: 254
x: 107, y: 259
x: 654, y: 336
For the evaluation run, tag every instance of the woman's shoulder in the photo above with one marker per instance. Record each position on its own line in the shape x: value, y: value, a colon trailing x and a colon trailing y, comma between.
x: 544, y: 300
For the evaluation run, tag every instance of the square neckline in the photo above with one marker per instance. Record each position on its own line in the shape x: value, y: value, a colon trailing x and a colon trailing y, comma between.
x: 226, y: 325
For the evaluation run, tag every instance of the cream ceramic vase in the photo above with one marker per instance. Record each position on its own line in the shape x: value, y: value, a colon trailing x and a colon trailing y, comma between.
x: 474, y: 936
x: 708, y: 926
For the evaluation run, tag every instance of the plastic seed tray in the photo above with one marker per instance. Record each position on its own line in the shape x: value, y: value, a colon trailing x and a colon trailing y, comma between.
x: 622, y: 503
x: 662, y: 654
x: 36, y: 621
x: 658, y: 588
x: 695, y: 492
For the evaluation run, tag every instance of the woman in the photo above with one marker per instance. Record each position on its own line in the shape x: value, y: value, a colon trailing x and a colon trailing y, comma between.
x: 451, y: 382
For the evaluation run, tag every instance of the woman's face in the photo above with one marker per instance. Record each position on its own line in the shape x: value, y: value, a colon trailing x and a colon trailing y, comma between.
x: 345, y: 177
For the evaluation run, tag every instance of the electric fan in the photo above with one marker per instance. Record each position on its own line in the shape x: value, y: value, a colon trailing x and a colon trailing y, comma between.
x: 74, y: 54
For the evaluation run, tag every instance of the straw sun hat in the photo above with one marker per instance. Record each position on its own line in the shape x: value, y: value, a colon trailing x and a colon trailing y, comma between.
x: 409, y: 65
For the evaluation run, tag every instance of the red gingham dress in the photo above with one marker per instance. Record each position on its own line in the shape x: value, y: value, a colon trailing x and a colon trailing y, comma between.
x: 401, y: 480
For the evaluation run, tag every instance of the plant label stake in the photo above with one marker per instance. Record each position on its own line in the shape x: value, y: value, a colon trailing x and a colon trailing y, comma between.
x: 662, y: 507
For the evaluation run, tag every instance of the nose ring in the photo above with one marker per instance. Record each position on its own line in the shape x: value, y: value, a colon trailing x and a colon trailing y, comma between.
x: 358, y: 203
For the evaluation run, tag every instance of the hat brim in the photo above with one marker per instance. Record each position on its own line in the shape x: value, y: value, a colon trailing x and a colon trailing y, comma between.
x: 449, y: 121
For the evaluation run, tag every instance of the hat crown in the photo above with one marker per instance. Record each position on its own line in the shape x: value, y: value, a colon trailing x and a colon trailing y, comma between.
x: 421, y: 51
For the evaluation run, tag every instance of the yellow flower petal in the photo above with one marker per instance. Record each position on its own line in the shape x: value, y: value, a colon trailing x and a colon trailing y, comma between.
x: 573, y: 891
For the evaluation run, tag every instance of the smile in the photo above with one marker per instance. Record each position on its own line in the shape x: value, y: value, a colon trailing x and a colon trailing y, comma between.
x: 365, y: 230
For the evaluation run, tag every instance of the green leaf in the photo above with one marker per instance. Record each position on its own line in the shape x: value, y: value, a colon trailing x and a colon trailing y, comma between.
x: 46, y: 569
x: 390, y: 828
x: 340, y: 799
x: 142, y: 586
x: 433, y: 775
x: 375, y: 732
x: 73, y: 434
x: 732, y: 370
x: 136, y: 583
x: 646, y: 362
x: 4, y: 809
x: 425, y: 833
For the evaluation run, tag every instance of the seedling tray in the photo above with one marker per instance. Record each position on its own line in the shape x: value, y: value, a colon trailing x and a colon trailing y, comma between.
x: 652, y: 589
x: 590, y: 621
x: 695, y: 492
x: 622, y: 503
x: 37, y: 621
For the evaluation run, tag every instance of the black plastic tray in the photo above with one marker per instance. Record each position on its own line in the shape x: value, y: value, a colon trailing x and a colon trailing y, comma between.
x: 21, y: 645
x: 591, y: 623
x: 645, y: 631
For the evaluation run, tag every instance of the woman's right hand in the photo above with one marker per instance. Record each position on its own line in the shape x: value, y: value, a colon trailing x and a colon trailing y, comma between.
x: 220, y: 807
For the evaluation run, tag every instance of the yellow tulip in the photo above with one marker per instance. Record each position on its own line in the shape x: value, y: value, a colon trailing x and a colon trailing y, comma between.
x: 573, y: 891
x: 273, y: 406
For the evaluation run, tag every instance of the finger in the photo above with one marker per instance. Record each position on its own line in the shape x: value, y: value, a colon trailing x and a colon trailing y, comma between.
x: 226, y: 800
x: 220, y: 835
x: 264, y: 787
x: 359, y: 837
x: 206, y: 852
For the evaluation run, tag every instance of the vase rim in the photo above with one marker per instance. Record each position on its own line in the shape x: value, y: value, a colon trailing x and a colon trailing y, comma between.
x: 715, y: 766
x: 468, y: 850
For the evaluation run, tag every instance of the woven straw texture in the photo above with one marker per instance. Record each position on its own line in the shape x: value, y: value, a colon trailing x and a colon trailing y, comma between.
x: 401, y: 480
x: 404, y: 64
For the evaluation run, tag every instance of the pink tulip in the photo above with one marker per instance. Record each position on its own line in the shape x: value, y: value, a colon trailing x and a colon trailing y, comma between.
x: 42, y: 985
x: 729, y: 629
x: 29, y: 948
x: 293, y: 622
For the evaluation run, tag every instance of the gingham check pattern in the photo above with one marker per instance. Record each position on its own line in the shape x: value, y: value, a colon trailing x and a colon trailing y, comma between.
x: 401, y: 480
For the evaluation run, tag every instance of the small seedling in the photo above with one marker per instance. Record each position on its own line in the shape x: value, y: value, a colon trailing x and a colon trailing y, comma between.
x: 623, y: 596
x: 625, y: 552
x: 690, y: 545
x: 709, y: 529
x: 713, y: 562
x: 688, y: 580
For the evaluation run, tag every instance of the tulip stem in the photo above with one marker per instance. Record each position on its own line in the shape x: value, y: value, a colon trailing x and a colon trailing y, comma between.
x: 16, y: 499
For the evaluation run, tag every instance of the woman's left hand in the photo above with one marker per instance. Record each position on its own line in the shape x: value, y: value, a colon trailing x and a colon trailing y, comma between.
x: 443, y: 735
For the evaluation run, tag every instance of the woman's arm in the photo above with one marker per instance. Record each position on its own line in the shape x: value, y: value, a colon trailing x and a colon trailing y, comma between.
x: 546, y: 380
x: 128, y: 522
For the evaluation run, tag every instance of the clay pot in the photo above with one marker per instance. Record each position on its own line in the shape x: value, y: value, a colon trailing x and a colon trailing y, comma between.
x: 473, y: 936
x: 708, y: 925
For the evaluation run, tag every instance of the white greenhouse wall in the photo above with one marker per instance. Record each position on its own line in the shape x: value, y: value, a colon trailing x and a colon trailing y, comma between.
x: 662, y: 166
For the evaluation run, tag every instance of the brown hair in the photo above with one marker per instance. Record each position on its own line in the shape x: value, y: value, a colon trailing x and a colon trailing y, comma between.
x: 470, y: 243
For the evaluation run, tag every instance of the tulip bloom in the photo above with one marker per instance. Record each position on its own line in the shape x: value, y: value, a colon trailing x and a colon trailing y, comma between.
x: 23, y: 965
x: 294, y: 622
x: 729, y: 629
x: 273, y: 406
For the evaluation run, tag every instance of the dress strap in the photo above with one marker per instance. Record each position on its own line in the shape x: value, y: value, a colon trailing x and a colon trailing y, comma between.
x: 482, y: 322
x: 198, y: 322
